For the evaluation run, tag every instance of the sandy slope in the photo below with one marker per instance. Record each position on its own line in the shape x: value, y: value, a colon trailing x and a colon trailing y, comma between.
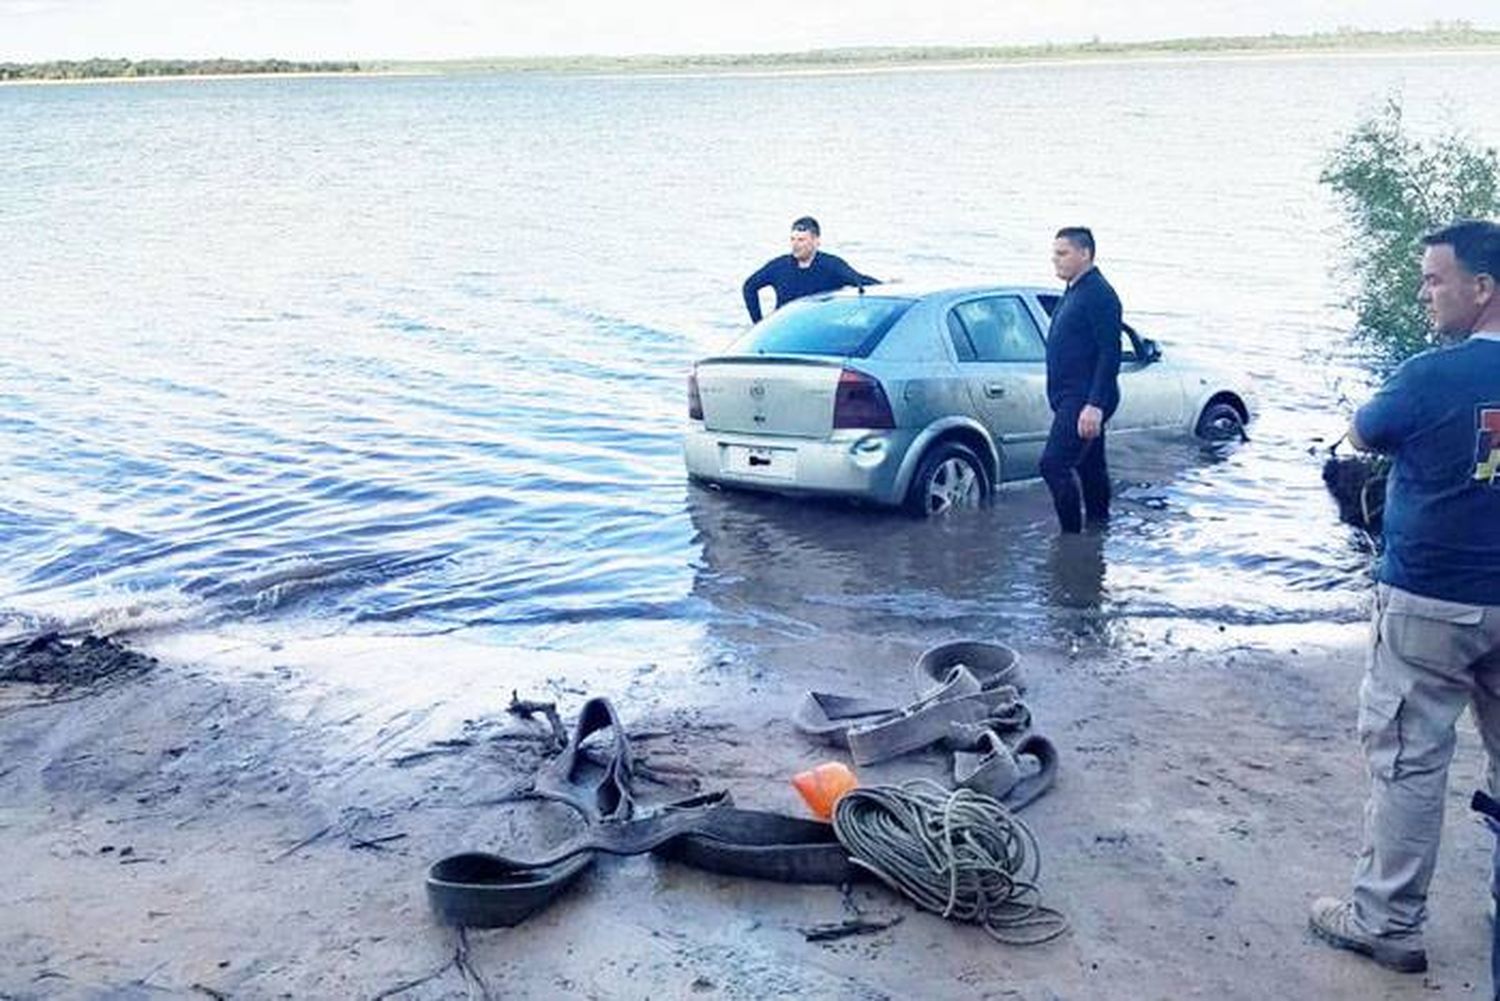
x: 232, y: 824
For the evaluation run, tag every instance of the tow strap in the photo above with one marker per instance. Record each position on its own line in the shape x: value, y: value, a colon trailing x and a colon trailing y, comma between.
x: 960, y: 683
x: 485, y: 890
x: 969, y: 703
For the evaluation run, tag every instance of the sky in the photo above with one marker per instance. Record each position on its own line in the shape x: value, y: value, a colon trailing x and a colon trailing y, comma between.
x: 38, y: 30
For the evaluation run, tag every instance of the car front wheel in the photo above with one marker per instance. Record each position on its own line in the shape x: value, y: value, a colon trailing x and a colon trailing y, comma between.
x: 1220, y: 422
x: 950, y: 478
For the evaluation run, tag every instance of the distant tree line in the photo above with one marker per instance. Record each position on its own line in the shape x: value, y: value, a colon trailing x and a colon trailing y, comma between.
x: 103, y: 69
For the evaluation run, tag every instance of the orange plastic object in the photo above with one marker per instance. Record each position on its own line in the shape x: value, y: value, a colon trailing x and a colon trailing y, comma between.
x: 821, y: 787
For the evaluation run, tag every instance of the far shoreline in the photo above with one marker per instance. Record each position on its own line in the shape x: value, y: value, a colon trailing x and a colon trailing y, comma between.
x: 200, y: 77
x: 961, y: 65
x: 807, y: 70
x: 889, y: 59
x: 1456, y: 39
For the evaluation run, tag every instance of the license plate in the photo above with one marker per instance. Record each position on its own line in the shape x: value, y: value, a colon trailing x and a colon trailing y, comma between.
x: 753, y: 460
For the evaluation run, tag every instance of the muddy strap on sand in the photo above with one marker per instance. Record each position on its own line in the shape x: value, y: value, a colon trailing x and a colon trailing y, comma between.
x: 975, y: 711
x: 486, y: 890
x: 960, y: 683
x: 926, y: 721
x: 960, y: 704
x: 605, y: 793
x: 1015, y: 776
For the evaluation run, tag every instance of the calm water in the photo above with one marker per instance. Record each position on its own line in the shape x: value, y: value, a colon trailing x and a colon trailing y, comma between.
x: 407, y: 354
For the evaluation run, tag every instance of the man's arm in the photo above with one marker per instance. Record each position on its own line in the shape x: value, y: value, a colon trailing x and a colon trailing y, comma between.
x: 846, y: 275
x: 1106, y: 320
x: 1390, y: 417
x: 754, y: 284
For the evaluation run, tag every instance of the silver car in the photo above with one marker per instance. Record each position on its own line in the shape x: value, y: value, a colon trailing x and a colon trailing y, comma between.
x: 919, y: 398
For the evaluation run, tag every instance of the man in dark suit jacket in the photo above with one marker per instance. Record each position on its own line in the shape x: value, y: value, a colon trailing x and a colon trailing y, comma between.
x: 1083, y: 388
x: 805, y: 271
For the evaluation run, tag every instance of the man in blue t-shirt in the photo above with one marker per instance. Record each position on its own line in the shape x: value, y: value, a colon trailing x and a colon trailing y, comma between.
x: 805, y: 271
x: 1436, y: 644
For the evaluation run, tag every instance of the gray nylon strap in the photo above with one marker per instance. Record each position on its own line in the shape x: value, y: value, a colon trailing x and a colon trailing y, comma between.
x: 960, y: 700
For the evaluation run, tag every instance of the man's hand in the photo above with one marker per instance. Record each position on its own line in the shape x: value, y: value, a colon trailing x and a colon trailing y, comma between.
x: 1090, y: 422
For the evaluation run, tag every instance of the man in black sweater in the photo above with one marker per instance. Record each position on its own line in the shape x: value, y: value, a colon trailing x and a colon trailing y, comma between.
x: 804, y: 271
x: 1083, y: 368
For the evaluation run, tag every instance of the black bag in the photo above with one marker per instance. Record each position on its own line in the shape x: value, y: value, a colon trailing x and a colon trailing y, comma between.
x: 1357, y: 483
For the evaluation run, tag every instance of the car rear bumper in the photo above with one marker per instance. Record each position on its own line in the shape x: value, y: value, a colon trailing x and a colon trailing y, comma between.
x: 848, y: 463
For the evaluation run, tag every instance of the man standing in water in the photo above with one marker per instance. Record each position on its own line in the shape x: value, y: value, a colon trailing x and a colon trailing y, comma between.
x: 1436, y: 637
x: 1083, y: 389
x: 805, y: 271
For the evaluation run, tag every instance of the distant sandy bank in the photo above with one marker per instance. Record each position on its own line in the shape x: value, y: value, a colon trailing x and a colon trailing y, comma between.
x: 1458, y: 40
x: 770, y: 69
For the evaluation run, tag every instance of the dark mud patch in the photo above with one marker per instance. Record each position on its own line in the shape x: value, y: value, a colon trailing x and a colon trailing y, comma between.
x: 62, y: 665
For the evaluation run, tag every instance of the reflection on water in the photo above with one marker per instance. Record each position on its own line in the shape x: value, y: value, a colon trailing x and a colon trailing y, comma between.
x: 793, y: 567
x: 788, y: 566
x: 1075, y: 571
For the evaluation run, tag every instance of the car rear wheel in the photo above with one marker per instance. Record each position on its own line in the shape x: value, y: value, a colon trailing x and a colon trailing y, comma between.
x: 950, y: 478
x: 1220, y: 422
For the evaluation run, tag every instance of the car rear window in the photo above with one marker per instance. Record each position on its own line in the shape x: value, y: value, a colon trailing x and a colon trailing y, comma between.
x: 847, y: 327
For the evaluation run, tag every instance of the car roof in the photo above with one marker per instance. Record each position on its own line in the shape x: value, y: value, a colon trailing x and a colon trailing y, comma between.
x: 933, y: 290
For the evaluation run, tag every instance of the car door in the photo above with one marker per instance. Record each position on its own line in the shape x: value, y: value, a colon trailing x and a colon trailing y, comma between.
x: 1003, y: 362
x: 1151, y: 393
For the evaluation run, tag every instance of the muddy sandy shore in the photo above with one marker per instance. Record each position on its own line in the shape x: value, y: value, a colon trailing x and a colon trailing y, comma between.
x: 230, y: 824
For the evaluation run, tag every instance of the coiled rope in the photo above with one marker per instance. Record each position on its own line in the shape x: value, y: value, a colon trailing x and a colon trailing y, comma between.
x: 960, y: 854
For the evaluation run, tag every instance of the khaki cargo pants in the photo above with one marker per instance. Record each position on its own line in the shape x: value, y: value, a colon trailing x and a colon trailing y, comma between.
x: 1428, y: 660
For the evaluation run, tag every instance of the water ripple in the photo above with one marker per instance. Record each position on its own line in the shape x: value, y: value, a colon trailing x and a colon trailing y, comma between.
x: 264, y: 364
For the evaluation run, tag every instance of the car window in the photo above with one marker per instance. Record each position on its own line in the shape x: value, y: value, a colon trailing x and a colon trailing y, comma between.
x: 998, y: 328
x: 849, y: 327
x: 1049, y: 303
x: 962, y: 346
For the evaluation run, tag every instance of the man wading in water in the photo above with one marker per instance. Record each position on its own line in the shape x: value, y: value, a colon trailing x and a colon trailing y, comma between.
x: 1083, y: 388
x: 1436, y: 636
x: 805, y: 271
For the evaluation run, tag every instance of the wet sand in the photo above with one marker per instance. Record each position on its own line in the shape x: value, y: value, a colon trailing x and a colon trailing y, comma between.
x: 230, y: 823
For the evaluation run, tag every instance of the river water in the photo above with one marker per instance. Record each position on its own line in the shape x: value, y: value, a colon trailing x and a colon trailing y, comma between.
x: 406, y: 355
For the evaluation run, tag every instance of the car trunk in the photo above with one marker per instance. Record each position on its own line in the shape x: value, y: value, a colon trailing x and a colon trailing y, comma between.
x: 779, y: 396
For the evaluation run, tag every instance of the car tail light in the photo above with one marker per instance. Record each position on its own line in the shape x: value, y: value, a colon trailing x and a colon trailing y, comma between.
x: 860, y: 402
x: 695, y: 402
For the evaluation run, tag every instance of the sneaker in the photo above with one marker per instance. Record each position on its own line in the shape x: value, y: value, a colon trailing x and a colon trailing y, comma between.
x: 1332, y: 920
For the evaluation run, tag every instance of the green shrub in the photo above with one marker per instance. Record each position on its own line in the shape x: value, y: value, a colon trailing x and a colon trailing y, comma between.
x: 1395, y: 188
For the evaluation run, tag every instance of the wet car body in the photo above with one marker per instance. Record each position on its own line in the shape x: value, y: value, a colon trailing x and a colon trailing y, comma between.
x: 927, y: 398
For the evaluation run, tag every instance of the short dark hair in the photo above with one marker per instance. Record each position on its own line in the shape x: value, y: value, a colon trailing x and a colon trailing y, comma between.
x: 1079, y: 236
x: 807, y: 223
x: 1475, y: 242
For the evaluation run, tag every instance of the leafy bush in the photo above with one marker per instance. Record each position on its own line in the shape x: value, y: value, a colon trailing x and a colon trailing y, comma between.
x: 1394, y: 189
